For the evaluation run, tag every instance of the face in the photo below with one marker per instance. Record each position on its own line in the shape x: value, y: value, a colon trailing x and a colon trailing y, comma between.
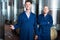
x: 46, y: 10
x: 28, y: 5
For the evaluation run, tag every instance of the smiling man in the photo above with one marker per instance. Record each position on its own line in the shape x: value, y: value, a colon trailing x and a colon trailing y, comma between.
x: 26, y: 23
x: 45, y: 23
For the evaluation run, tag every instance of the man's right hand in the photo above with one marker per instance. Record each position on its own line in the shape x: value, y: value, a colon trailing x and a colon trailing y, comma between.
x: 12, y: 27
x: 36, y: 37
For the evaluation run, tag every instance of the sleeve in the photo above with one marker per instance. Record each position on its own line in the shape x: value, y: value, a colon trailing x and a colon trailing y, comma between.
x: 50, y: 21
x: 35, y: 27
x: 18, y: 23
x: 38, y: 20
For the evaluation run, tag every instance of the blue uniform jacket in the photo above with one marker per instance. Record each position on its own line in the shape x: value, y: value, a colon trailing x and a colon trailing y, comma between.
x: 45, y: 23
x: 27, y: 26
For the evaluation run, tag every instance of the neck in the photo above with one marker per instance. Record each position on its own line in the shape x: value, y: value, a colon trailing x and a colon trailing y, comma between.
x: 45, y: 14
x: 28, y: 11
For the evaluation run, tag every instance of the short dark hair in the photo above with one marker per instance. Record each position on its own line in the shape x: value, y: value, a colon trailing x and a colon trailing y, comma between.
x: 28, y: 1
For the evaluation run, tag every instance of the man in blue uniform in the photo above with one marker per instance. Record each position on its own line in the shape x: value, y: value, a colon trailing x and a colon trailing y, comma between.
x: 45, y: 23
x: 26, y: 23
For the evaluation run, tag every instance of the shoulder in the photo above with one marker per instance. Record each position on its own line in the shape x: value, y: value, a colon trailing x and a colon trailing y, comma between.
x: 49, y: 15
x: 33, y: 14
x: 40, y: 15
x: 21, y: 14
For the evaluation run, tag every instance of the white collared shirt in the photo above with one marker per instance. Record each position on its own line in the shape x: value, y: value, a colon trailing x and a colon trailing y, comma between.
x: 28, y: 14
x: 45, y: 15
